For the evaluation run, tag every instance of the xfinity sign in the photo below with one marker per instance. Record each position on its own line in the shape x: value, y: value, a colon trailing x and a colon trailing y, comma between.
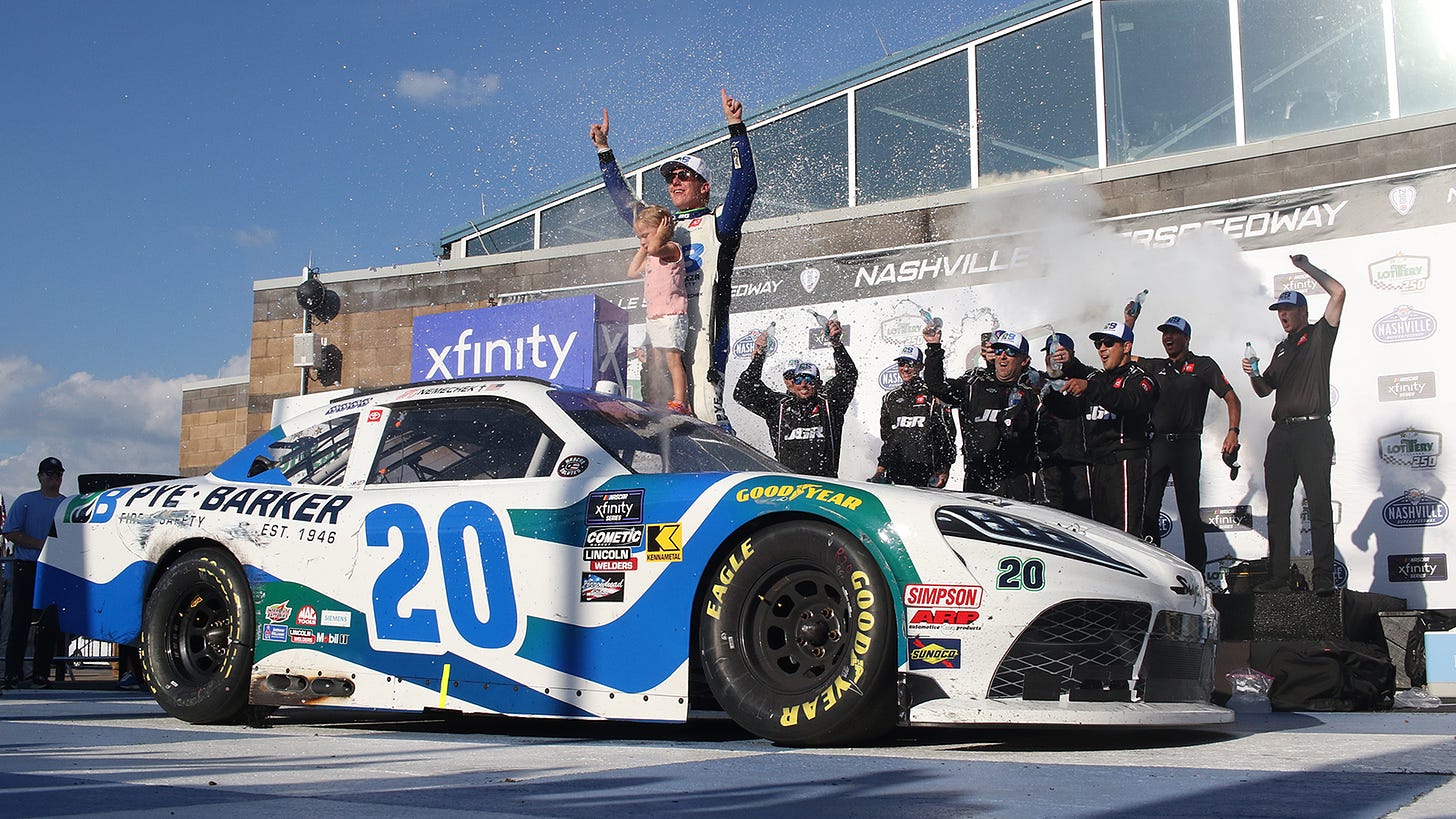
x: 577, y: 341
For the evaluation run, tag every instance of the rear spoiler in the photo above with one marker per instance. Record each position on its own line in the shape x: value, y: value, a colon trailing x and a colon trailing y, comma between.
x: 102, y: 481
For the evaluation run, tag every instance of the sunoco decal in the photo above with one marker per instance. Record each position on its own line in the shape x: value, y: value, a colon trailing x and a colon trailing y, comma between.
x: 1415, y: 448
x: 1415, y: 509
x: 1415, y: 568
x: 1401, y: 273
x: 1404, y: 323
x: 938, y: 652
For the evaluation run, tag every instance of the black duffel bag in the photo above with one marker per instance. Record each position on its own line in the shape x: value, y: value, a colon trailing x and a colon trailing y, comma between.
x: 1330, y: 675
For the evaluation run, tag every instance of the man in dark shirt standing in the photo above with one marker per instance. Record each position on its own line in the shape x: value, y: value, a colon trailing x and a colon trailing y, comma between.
x: 1184, y: 382
x: 998, y: 414
x: 1065, y: 476
x: 1118, y: 401
x: 916, y: 428
x: 1301, y: 446
x: 806, y: 424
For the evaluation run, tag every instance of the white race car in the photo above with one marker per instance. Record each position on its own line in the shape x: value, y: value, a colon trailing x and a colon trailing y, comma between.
x: 515, y: 547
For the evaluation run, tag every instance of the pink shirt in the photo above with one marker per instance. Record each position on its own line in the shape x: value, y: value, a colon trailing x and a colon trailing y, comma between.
x: 665, y: 286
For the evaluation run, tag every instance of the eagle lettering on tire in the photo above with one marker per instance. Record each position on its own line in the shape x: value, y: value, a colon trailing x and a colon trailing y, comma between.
x: 796, y: 632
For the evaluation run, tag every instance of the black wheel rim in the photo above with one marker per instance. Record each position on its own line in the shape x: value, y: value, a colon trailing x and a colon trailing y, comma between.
x: 201, y: 633
x: 798, y: 629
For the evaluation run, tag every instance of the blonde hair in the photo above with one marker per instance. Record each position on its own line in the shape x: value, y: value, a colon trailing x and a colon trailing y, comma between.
x: 652, y: 215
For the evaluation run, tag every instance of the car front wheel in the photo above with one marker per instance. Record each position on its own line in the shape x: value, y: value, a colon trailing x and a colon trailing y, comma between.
x: 796, y: 632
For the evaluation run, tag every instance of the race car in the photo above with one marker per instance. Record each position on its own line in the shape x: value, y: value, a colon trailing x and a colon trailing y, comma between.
x: 512, y: 546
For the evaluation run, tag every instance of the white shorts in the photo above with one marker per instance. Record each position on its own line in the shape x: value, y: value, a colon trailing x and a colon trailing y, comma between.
x: 668, y: 332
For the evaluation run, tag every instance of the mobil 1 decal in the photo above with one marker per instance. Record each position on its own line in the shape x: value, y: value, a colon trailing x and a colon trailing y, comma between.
x: 619, y: 507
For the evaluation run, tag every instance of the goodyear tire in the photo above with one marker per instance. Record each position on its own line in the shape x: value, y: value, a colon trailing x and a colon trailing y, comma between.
x: 796, y: 630
x: 197, y: 639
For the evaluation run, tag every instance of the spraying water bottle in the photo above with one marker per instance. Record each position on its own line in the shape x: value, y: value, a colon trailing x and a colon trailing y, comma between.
x: 1135, y: 308
x: 1054, y: 369
x: 1013, y: 400
x: 930, y: 321
x: 770, y: 330
x: 1252, y: 357
x: 822, y: 319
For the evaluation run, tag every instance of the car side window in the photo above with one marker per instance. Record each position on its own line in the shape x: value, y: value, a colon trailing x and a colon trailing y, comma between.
x: 314, y: 456
x: 481, y: 439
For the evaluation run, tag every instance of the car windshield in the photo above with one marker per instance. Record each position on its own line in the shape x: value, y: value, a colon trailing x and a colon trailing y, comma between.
x: 651, y: 440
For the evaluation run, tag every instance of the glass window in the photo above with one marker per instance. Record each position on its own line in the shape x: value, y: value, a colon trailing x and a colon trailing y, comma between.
x: 1425, y: 55
x: 316, y: 456
x: 1311, y: 65
x: 802, y: 161
x: 588, y: 218
x: 1036, y: 98
x: 648, y: 439
x: 912, y: 132
x: 518, y: 235
x: 1168, y: 67
x: 478, y: 440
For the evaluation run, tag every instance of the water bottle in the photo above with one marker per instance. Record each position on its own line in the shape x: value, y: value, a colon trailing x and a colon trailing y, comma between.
x: 822, y: 319
x: 1013, y: 400
x: 1053, y: 346
x: 1252, y: 357
x: 1136, y: 307
x: 768, y: 332
x: 930, y: 321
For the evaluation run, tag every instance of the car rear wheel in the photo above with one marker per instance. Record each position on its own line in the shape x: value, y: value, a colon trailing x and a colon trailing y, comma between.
x: 197, y: 639
x: 796, y: 632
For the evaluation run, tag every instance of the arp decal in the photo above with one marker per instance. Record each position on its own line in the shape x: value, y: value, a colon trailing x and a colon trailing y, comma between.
x: 942, y: 606
x: 622, y: 506
x: 940, y: 652
x: 948, y: 618
x: 664, y: 542
x: 603, y: 587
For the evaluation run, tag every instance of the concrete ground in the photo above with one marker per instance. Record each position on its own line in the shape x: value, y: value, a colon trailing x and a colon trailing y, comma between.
x: 84, y: 748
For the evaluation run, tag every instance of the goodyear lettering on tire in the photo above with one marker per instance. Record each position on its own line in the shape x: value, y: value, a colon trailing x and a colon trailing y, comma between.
x: 831, y: 694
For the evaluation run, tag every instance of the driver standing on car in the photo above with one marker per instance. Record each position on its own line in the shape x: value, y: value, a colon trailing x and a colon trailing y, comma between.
x: 805, y: 424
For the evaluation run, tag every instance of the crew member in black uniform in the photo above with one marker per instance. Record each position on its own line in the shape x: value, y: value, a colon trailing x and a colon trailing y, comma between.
x: 1301, y: 446
x: 1065, y: 474
x: 806, y: 423
x: 917, y: 430
x: 998, y: 414
x: 1118, y: 401
x: 1184, y: 382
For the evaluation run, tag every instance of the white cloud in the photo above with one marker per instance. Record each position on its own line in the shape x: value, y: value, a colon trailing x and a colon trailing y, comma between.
x: 18, y: 373
x: 240, y: 364
x: 127, y: 424
x: 445, y: 87
x: 255, y: 236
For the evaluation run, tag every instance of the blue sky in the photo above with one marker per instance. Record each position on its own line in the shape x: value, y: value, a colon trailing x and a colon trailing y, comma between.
x: 157, y: 158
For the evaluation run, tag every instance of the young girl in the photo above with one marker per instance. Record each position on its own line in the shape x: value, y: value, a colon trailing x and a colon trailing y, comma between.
x: 659, y: 263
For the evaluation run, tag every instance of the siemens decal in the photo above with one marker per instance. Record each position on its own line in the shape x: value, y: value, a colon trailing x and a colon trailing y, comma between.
x: 575, y: 341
